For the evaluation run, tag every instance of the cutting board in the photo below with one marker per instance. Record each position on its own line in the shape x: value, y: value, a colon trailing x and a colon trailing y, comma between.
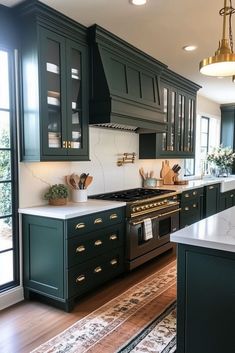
x: 165, y: 169
x: 167, y: 174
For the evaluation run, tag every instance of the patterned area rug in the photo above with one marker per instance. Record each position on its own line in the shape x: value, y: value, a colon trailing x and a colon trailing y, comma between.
x: 157, y: 337
x: 112, y: 325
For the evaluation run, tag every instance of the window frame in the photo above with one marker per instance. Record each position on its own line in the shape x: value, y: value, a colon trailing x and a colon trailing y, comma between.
x: 14, y: 170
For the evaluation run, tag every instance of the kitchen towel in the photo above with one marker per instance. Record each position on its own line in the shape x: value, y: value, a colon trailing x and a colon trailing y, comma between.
x: 148, y: 230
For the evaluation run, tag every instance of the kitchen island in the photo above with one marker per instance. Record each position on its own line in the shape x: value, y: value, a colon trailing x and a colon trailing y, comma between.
x: 206, y: 285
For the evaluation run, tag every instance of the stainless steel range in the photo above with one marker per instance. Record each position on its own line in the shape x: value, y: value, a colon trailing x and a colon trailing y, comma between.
x: 151, y: 214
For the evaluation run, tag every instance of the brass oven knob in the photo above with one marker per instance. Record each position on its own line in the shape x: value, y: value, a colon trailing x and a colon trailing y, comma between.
x: 138, y: 208
x: 134, y: 209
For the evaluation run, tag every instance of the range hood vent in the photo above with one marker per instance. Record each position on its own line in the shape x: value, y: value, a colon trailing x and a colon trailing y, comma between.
x: 125, y: 85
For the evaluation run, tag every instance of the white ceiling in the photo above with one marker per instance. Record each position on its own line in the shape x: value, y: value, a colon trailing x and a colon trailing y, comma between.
x: 161, y: 28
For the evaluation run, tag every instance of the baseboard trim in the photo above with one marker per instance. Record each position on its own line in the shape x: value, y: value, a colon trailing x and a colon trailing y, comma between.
x: 11, y: 297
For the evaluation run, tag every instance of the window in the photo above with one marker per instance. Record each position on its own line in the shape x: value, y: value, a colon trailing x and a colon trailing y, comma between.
x: 204, y: 141
x: 8, y: 177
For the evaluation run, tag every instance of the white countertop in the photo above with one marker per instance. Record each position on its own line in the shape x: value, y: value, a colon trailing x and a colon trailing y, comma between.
x: 72, y: 209
x: 214, y: 232
x: 193, y: 184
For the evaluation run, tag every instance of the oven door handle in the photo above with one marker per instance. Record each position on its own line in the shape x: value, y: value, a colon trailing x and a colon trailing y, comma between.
x: 158, y: 216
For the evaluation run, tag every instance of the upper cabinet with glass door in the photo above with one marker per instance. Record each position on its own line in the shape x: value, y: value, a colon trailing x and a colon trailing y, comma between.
x: 179, y: 101
x: 55, y: 85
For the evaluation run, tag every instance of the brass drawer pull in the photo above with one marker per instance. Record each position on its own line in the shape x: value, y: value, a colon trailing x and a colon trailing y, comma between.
x: 80, y: 248
x: 194, y: 193
x: 186, y: 208
x: 113, y: 216
x: 98, y: 242
x: 211, y: 187
x: 174, y: 229
x: 98, y: 269
x: 69, y: 144
x: 113, y: 237
x: 65, y: 145
x: 186, y: 195
x: 194, y: 205
x: 80, y: 278
x: 80, y: 226
x: 114, y: 262
x: 98, y: 220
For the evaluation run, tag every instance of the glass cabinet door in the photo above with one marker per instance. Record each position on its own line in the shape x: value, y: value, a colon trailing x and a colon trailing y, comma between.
x: 76, y: 106
x: 181, y: 123
x: 190, y: 128
x: 169, y: 106
x: 53, y: 92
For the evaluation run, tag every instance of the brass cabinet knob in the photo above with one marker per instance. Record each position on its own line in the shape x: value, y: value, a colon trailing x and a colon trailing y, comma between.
x: 65, y: 145
x: 194, y: 205
x: 113, y: 237
x: 80, y: 248
x: 194, y: 193
x: 231, y: 195
x: 69, y: 144
x: 113, y: 216
x: 211, y: 187
x: 80, y: 226
x: 80, y: 278
x: 98, y: 220
x: 113, y: 262
x: 186, y: 208
x: 98, y: 269
x: 98, y: 242
x: 186, y: 195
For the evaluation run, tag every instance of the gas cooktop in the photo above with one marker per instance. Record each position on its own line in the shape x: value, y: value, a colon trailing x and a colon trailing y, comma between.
x: 131, y: 195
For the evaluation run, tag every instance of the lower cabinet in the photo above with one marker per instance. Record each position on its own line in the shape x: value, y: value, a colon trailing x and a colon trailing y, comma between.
x: 227, y: 199
x: 63, y: 259
x: 191, y: 207
x: 211, y: 199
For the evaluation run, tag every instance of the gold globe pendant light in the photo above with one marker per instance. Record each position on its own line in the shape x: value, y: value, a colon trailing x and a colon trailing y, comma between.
x: 223, y: 62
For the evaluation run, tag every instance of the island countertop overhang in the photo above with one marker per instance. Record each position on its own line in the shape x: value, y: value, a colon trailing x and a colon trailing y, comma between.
x: 214, y: 232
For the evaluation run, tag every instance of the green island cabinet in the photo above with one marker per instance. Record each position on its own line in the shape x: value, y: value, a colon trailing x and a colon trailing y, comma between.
x: 64, y: 259
x: 179, y: 105
x: 211, y: 199
x: 55, y: 91
x: 191, y: 204
x: 227, y: 200
x: 205, y: 300
x: 227, y: 135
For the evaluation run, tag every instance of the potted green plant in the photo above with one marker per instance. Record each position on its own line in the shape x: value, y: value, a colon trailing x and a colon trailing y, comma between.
x: 57, y: 195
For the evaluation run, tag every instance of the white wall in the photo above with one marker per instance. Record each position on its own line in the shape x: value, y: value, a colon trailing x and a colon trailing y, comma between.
x: 106, y: 146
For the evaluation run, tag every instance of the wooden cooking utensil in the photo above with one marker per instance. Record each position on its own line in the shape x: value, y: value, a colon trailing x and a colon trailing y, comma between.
x: 88, y: 181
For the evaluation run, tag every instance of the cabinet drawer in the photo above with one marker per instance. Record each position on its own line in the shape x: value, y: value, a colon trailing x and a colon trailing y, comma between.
x: 190, y: 213
x: 191, y: 194
x: 93, y: 222
x: 89, y: 275
x: 87, y: 246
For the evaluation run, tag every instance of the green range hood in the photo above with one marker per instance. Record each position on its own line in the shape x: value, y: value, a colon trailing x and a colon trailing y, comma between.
x: 125, y: 85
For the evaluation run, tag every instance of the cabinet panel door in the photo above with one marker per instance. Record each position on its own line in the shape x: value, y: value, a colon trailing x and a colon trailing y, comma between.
x: 211, y: 199
x: 77, y: 93
x: 53, y: 93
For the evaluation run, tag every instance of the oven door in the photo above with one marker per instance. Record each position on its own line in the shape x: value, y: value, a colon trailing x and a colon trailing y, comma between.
x: 163, y: 223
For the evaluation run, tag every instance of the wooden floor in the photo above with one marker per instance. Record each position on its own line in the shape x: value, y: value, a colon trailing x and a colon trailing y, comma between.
x: 28, y: 324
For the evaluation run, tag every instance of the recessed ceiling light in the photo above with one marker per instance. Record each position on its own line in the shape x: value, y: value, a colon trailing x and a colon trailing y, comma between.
x: 189, y: 47
x: 138, y: 2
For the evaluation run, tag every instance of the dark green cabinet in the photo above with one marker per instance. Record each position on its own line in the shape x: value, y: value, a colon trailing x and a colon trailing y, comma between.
x: 179, y: 104
x: 211, y: 199
x: 191, y: 205
x: 205, y: 300
x: 227, y: 136
x: 227, y: 199
x: 54, y: 56
x: 63, y: 259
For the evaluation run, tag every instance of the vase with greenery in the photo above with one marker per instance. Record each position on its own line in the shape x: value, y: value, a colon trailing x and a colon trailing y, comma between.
x: 57, y: 195
x: 221, y: 160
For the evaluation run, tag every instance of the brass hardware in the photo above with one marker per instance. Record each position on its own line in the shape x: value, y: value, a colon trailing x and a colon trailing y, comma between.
x: 194, y: 193
x: 65, y: 145
x: 80, y: 278
x: 98, y: 242
x: 80, y: 226
x: 127, y: 158
x: 98, y: 220
x: 231, y: 195
x: 113, y: 237
x: 211, y: 187
x: 69, y: 144
x: 80, y: 248
x: 186, y: 195
x: 186, y: 208
x: 194, y: 205
x: 174, y: 229
x: 113, y: 216
x: 158, y: 208
x: 159, y: 216
x: 98, y: 269
x: 113, y: 262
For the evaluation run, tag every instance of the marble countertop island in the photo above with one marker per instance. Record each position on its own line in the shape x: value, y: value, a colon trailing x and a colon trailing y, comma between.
x: 215, y: 232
